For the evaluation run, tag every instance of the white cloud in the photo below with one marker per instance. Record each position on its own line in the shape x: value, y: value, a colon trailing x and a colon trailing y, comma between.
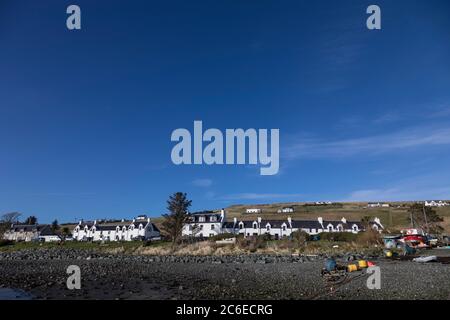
x: 377, y: 144
x: 426, y: 187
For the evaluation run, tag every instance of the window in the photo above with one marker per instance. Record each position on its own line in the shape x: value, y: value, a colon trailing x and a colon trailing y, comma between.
x: 241, y: 226
x: 330, y: 228
x: 313, y: 230
x: 268, y: 227
x: 201, y: 219
x: 284, y: 228
x: 213, y: 219
x: 255, y: 225
x: 211, y: 234
x: 212, y: 227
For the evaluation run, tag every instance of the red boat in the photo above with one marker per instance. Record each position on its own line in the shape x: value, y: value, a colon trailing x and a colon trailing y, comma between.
x: 415, y: 238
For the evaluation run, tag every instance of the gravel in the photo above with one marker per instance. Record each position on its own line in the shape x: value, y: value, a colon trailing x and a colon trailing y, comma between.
x: 42, y: 273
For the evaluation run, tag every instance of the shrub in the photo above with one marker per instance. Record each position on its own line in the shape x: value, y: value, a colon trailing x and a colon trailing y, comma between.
x: 369, y: 237
x: 299, y: 237
x: 251, y: 244
x: 222, y: 236
x: 338, y: 236
x: 4, y: 243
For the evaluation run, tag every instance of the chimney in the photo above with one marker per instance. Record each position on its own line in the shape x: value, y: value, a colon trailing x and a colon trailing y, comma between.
x: 290, y: 222
x: 235, y: 220
x: 148, y: 220
x: 344, y: 220
x: 320, y: 219
x: 377, y: 220
x: 95, y: 222
x: 259, y: 219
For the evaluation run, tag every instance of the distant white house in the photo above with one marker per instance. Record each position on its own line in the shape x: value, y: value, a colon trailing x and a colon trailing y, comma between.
x: 286, y: 210
x: 436, y: 203
x: 378, y: 205
x: 253, y: 210
x: 322, y: 203
x: 140, y: 228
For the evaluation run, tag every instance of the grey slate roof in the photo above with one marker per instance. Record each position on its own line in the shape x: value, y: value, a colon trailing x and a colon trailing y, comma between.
x: 298, y: 224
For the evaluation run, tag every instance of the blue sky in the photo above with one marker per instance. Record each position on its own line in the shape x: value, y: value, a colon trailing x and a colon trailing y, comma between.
x: 86, y: 116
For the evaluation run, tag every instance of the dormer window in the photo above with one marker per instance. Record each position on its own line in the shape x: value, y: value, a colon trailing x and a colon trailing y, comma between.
x: 268, y: 227
x: 213, y: 219
x: 255, y: 225
x: 201, y: 219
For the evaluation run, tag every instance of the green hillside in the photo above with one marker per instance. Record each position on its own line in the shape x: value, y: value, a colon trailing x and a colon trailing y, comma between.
x: 394, y: 217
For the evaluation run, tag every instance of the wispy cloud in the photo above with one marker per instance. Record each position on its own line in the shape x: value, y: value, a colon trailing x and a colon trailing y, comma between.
x: 202, y: 183
x: 257, y: 196
x: 399, y: 194
x: 425, y: 187
x: 377, y: 144
x: 389, y: 117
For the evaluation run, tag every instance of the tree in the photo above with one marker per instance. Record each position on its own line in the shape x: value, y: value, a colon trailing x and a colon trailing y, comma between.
x: 425, y: 218
x: 31, y: 220
x: 178, y: 216
x: 6, y: 220
x: 55, y: 225
x: 65, y: 231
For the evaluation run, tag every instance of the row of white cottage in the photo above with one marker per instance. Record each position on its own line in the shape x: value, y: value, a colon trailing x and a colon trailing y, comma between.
x: 140, y: 228
x: 209, y: 224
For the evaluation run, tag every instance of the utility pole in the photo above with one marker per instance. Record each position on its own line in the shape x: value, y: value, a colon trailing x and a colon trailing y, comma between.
x: 425, y: 216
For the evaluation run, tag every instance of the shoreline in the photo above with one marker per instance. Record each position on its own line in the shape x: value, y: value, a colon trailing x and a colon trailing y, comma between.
x: 117, y: 277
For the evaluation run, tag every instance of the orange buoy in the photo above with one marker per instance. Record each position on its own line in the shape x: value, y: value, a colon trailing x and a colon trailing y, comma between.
x: 362, y: 264
x: 352, y: 267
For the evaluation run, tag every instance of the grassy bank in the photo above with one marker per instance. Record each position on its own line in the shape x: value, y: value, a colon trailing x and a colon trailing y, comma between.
x: 242, y: 246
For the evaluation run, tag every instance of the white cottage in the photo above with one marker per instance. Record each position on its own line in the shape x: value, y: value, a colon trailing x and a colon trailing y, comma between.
x: 140, y: 228
x: 204, y: 224
x: 25, y: 232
